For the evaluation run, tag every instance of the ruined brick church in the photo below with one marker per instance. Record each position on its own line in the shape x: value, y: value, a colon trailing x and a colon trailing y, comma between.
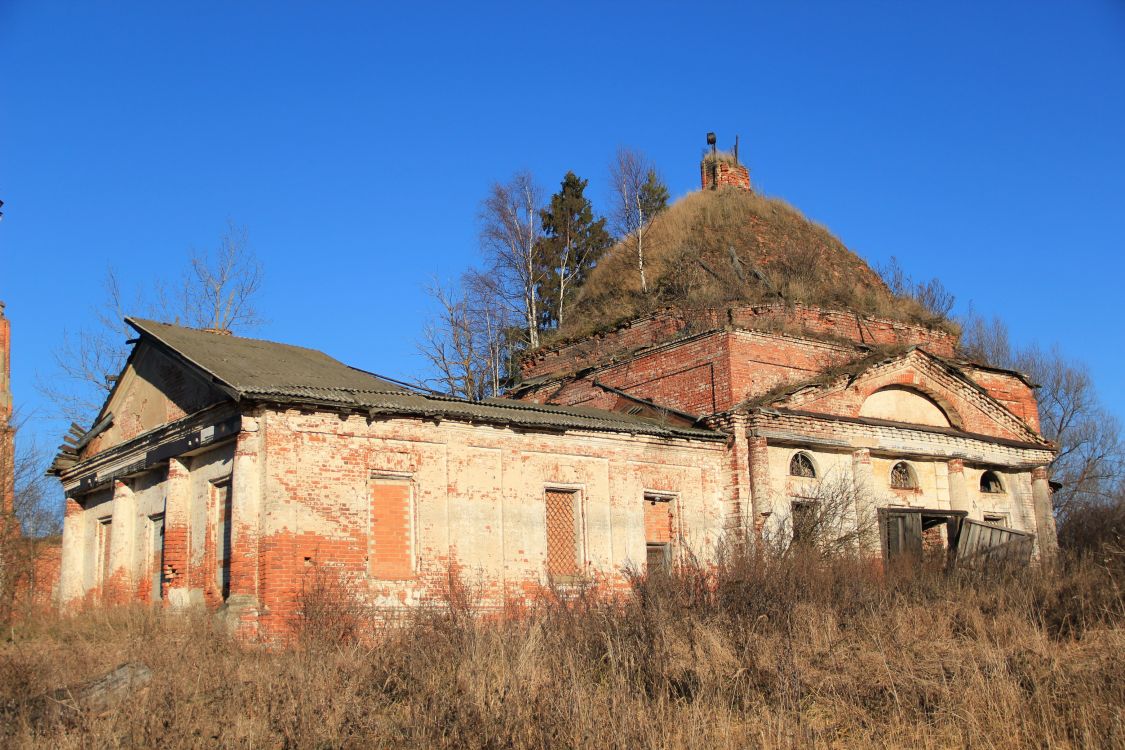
x: 222, y: 470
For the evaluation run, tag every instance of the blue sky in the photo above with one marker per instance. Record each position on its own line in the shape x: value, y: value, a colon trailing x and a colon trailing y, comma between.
x: 980, y: 142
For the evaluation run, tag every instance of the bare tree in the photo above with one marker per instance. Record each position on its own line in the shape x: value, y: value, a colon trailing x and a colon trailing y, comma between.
x: 931, y: 296
x: 510, y: 237
x: 87, y: 361
x: 638, y: 195
x: 986, y: 341
x: 220, y: 288
x: 24, y: 524
x: 465, y: 343
x: 1091, y: 454
x: 831, y: 518
x: 217, y: 291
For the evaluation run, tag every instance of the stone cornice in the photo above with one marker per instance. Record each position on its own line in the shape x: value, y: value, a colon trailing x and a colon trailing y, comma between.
x: 893, y: 439
x: 154, y: 447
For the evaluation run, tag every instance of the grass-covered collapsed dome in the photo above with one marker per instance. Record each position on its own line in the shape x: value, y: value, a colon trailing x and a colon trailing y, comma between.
x: 732, y: 246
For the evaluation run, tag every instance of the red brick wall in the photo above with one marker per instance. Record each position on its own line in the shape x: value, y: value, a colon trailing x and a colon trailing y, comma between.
x: 35, y: 593
x: 702, y: 375
x: 722, y: 174
x: 7, y: 435
x: 692, y: 376
x: 797, y: 320
x: 658, y: 521
x: 845, y: 326
x: 968, y: 410
x: 390, y: 555
x: 629, y: 337
x: 1009, y: 390
x: 761, y: 363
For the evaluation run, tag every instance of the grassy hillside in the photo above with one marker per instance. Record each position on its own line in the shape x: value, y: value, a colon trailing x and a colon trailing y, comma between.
x: 731, y: 246
x: 767, y: 652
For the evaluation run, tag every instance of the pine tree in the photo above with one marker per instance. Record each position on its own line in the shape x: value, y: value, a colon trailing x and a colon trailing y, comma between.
x: 653, y: 197
x: 573, y: 242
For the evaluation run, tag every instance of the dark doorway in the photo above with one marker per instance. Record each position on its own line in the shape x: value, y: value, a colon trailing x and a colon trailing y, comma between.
x: 918, y: 533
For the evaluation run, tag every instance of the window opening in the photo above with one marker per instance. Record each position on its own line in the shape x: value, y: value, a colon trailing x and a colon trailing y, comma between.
x: 156, y: 554
x: 903, y: 477
x: 658, y: 518
x: 224, y: 538
x: 990, y: 483
x: 563, y: 534
x: 105, y: 526
x: 803, y: 516
x: 801, y: 465
x: 658, y: 558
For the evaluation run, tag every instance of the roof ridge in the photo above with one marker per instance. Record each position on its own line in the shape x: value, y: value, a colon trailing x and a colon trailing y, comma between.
x: 228, y: 336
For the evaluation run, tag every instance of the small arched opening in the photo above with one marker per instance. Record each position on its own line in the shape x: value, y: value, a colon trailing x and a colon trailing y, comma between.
x: 903, y: 477
x: 801, y: 465
x: 990, y: 483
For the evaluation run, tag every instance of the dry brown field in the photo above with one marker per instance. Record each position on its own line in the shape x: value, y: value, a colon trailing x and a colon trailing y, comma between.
x: 786, y: 651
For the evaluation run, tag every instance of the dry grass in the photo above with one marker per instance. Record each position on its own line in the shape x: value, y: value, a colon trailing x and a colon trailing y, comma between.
x: 767, y: 652
x: 721, y: 157
x: 713, y: 248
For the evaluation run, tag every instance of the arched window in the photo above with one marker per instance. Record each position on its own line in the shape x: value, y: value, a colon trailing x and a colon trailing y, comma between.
x: 801, y: 465
x: 903, y: 477
x: 990, y: 483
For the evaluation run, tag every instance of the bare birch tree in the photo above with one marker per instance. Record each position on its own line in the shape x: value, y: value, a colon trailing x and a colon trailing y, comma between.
x: 465, y: 342
x: 218, y: 290
x: 639, y: 195
x: 510, y: 235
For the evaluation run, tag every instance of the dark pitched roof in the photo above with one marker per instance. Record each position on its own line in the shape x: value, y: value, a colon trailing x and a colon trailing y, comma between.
x: 279, y: 373
x: 256, y: 366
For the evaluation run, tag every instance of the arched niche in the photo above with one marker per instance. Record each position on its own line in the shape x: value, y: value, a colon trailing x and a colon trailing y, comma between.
x: 901, y: 404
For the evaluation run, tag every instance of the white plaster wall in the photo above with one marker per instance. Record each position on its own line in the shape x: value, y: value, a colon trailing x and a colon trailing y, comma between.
x: 479, y: 491
x: 204, y: 469
x: 831, y: 466
x: 97, y: 507
x: 1016, y: 499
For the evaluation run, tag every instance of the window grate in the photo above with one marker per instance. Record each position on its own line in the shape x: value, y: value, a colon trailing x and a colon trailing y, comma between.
x: 562, y: 546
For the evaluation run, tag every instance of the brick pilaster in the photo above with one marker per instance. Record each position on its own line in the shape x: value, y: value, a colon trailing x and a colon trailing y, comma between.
x: 177, y: 534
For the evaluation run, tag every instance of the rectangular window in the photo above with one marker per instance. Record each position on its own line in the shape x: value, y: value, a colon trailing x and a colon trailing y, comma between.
x: 658, y: 557
x: 658, y: 532
x: 156, y: 554
x: 101, y: 552
x: 390, y: 554
x: 224, y: 535
x: 564, y: 534
x: 803, y: 514
x: 998, y: 519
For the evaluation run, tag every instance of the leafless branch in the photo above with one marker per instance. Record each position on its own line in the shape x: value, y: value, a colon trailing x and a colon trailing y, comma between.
x: 510, y: 234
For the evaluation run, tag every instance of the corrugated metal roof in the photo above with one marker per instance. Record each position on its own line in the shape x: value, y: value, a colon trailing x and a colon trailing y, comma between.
x: 279, y: 373
x: 247, y: 364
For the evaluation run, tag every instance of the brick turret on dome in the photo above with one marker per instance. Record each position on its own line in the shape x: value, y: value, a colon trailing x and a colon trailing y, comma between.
x: 722, y: 168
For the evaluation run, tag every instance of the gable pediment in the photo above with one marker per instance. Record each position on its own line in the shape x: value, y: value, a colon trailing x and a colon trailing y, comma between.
x: 153, y: 389
x: 913, y: 389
